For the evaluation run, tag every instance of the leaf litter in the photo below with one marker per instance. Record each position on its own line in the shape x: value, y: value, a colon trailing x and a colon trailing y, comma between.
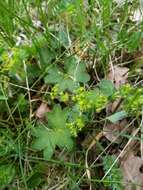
x: 41, y: 111
x: 132, y: 170
x: 131, y: 165
x: 118, y: 75
x: 111, y: 131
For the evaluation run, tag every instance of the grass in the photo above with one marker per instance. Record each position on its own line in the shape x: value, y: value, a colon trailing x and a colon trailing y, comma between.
x: 37, y: 37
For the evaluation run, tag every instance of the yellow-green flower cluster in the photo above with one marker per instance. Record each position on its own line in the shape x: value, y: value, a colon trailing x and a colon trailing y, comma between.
x: 56, y: 93
x: 90, y: 99
x: 100, y: 102
x: 76, y: 126
x: 125, y: 90
x: 64, y: 97
x: 133, y: 103
x: 81, y: 99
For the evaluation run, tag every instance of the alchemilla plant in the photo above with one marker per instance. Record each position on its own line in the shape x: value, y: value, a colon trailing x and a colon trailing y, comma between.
x: 56, y: 59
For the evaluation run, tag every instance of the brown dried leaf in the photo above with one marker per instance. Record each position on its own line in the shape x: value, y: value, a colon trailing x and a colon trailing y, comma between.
x: 118, y: 75
x: 112, y: 131
x: 42, y: 109
x: 131, y: 168
x: 112, y: 107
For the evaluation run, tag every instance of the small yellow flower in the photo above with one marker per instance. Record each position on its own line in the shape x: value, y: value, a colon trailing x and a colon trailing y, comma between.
x: 64, y: 97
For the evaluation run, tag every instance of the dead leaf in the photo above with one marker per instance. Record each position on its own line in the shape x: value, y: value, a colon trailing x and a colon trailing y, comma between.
x: 42, y: 109
x: 118, y: 75
x: 91, y: 139
x: 112, y: 131
x: 112, y: 107
x: 132, y: 172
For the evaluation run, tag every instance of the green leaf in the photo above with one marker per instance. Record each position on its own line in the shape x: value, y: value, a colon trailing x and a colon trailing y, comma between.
x: 56, y: 134
x: 77, y: 70
x: 22, y: 103
x: 7, y: 173
x: 2, y: 97
x: 49, y: 151
x: 63, y: 37
x: 7, y: 144
x: 46, y: 56
x: 117, y: 116
x: 106, y: 87
x: 44, y: 141
x: 54, y: 75
x: 92, y: 95
x: 57, y: 121
x: 81, y: 74
x: 57, y: 118
x: 114, y: 174
x: 134, y: 41
x: 34, y: 180
x: 63, y: 138
x: 69, y: 84
x: 74, y: 73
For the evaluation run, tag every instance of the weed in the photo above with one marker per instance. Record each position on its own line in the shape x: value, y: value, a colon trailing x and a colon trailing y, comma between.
x: 59, y: 53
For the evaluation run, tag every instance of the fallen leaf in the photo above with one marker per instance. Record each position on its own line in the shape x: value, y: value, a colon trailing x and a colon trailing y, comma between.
x: 118, y: 75
x: 132, y: 172
x: 91, y: 139
x: 42, y: 109
x: 112, y: 131
x: 112, y: 107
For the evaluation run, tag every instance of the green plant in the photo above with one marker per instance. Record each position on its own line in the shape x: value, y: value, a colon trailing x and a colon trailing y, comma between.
x: 7, y: 145
x: 115, y: 176
x: 7, y: 173
x: 133, y: 99
x: 55, y: 134
x: 69, y: 79
x: 59, y: 52
x: 80, y: 106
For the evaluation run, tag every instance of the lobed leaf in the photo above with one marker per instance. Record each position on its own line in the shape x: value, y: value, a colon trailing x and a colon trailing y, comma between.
x: 73, y: 74
x: 106, y: 87
x: 56, y: 134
